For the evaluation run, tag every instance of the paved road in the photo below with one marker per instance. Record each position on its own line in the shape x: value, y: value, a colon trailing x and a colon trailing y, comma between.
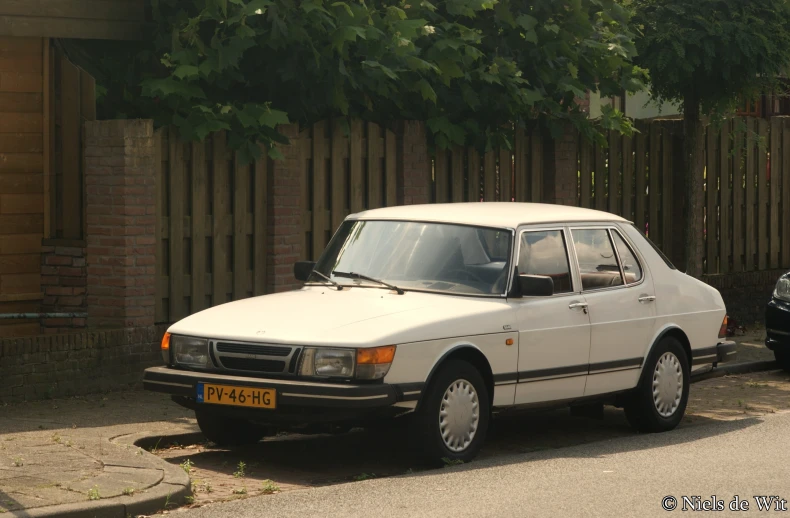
x: 621, y: 477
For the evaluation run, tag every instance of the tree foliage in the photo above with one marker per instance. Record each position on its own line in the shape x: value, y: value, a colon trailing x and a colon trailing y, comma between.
x: 465, y: 66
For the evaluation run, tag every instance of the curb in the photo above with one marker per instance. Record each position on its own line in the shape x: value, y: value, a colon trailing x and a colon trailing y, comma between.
x: 736, y: 368
x: 169, y: 492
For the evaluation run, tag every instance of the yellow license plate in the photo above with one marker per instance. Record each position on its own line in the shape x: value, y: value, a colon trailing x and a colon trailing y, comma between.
x: 236, y: 396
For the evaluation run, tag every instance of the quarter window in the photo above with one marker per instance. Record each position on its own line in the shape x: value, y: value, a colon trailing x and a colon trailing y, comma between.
x: 597, y: 261
x: 631, y: 267
x: 545, y: 253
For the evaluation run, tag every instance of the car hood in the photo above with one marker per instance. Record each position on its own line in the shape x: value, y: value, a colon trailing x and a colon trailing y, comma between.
x: 353, y: 317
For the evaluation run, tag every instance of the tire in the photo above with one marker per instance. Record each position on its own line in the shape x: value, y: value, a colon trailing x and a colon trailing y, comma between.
x: 453, y: 377
x: 228, y: 431
x: 783, y: 359
x: 666, y: 361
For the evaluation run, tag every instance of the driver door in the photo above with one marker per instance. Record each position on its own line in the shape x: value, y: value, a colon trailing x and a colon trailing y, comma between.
x: 554, y: 332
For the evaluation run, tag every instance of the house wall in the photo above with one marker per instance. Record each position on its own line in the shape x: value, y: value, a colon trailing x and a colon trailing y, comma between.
x: 21, y: 180
x: 637, y: 106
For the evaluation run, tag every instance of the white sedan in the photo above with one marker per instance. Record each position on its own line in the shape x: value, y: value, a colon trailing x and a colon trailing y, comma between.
x: 442, y: 313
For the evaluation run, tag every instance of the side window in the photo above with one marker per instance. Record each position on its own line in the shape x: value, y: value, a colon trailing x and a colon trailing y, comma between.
x: 597, y: 260
x: 631, y: 267
x: 545, y: 253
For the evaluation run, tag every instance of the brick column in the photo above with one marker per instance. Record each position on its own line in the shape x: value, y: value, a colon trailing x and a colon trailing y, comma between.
x: 63, y: 283
x: 285, y: 229
x: 120, y: 183
x: 560, y: 174
x: 414, y: 164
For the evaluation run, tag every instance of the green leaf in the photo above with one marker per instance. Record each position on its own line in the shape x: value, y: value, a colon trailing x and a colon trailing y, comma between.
x: 527, y: 22
x: 531, y: 36
x: 275, y: 154
x: 574, y: 70
x: 273, y: 118
x: 427, y: 91
x: 345, y: 6
x: 186, y: 71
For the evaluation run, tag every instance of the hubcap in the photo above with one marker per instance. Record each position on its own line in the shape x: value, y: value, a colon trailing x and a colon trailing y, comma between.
x: 667, y: 384
x: 459, y: 415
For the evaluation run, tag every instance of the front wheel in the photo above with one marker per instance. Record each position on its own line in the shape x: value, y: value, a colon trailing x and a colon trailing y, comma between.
x: 783, y: 359
x: 659, y: 401
x: 451, y: 423
x: 228, y: 431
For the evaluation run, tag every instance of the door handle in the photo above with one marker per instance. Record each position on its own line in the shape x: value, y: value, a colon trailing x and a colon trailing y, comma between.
x: 578, y: 305
x: 647, y: 298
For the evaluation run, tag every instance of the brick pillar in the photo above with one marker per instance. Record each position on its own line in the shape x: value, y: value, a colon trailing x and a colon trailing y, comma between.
x: 560, y: 174
x: 285, y: 230
x: 63, y: 283
x: 120, y: 183
x: 414, y: 164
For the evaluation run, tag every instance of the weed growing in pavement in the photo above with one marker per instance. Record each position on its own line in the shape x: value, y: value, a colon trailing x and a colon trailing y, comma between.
x: 364, y: 476
x: 187, y: 466
x: 93, y: 493
x: 756, y: 384
x: 56, y: 437
x: 451, y: 462
x: 156, y: 446
x: 269, y: 487
x: 167, y: 500
x: 240, y: 472
x: 189, y: 500
x: 240, y: 491
x: 128, y: 491
x: 740, y: 402
x: 19, y: 462
x: 207, y: 487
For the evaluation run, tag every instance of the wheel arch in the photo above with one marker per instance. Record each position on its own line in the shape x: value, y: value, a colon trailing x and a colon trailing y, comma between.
x: 673, y: 331
x: 469, y: 353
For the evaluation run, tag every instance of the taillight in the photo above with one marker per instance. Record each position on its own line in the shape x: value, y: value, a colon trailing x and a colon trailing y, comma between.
x: 723, y: 329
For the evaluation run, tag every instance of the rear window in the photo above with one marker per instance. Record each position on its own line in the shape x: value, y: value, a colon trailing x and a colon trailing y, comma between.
x: 653, y: 245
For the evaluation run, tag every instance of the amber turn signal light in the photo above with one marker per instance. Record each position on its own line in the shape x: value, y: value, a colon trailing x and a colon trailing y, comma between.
x: 723, y: 329
x: 376, y: 355
x: 166, y: 342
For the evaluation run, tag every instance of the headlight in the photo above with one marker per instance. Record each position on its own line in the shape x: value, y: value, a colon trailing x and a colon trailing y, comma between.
x: 782, y: 290
x: 189, y: 352
x: 368, y: 364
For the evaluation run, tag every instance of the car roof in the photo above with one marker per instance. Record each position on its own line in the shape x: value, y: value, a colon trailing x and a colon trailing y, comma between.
x: 489, y: 214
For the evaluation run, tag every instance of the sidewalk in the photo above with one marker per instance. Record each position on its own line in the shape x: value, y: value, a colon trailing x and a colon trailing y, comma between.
x: 68, y: 451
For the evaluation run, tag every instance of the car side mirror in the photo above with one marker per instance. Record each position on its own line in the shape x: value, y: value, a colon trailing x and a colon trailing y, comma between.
x: 536, y: 285
x: 303, y: 269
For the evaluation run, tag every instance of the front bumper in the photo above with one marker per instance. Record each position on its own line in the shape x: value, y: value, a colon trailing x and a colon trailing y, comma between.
x: 722, y: 352
x: 777, y: 325
x: 290, y: 393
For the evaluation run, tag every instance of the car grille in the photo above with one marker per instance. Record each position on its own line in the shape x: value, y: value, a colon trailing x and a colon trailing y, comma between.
x: 250, y: 357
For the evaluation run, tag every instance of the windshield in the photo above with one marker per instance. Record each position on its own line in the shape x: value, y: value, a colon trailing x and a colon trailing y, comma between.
x: 420, y: 256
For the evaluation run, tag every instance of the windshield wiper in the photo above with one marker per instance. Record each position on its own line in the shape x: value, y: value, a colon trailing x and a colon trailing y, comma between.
x: 353, y: 275
x: 336, y: 285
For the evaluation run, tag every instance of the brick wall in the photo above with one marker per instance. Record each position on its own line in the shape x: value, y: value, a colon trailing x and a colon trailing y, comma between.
x: 63, y: 284
x: 53, y: 366
x: 286, y: 231
x: 414, y: 164
x: 746, y: 294
x: 120, y: 183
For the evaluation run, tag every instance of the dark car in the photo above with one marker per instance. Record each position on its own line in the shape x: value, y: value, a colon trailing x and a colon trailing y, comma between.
x: 777, y: 322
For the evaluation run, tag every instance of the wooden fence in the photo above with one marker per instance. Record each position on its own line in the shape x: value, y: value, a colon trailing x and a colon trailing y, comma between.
x: 211, y: 226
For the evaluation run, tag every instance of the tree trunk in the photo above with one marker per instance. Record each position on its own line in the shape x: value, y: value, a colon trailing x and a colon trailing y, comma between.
x: 694, y: 204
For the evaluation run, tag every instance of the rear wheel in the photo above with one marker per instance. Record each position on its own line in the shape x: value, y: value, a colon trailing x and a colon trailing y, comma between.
x: 659, y: 402
x: 228, y: 431
x: 451, y: 423
x: 783, y: 358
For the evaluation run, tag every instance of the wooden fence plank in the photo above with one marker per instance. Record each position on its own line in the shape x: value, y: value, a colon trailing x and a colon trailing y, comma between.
x: 640, y: 196
x: 71, y: 164
x: 198, y: 223
x: 304, y: 145
x: 628, y: 178
x: 320, y: 220
x: 390, y: 169
x: 536, y: 171
x: 614, y: 172
x: 441, y: 177
x: 339, y: 181
x: 159, y: 140
x: 725, y: 199
x: 356, y: 166
x: 177, y: 180
x: 762, y: 198
x: 599, y: 181
x: 711, y: 204
x: 474, y: 175
x: 374, y: 166
x: 219, y: 272
x: 666, y: 190
x: 505, y: 175
x: 489, y: 176
x: 87, y: 96
x: 750, y: 232
x: 241, y: 189
x: 774, y: 236
x: 520, y: 169
x: 457, y: 171
x: 260, y: 218
x: 654, y: 179
x: 786, y: 194
x: 738, y: 172
x: 585, y: 167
